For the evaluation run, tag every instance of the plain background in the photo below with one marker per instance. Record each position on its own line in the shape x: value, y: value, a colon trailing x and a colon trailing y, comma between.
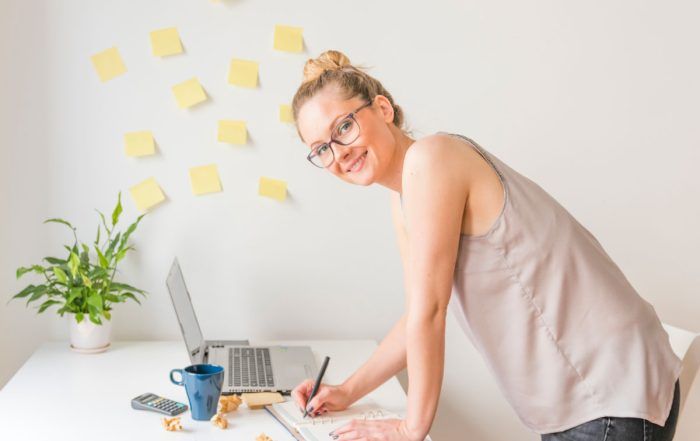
x: 595, y: 101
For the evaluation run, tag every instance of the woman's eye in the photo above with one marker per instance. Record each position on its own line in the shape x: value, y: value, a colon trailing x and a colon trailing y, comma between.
x: 344, y: 126
x: 322, y: 149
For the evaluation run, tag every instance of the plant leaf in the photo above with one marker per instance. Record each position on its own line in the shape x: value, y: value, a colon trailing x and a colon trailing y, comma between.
x: 112, y: 245
x: 101, y: 257
x: 60, y: 221
x: 95, y: 300
x: 24, y: 270
x: 107, y: 315
x: 130, y: 296
x: 73, y: 264
x: 104, y: 222
x: 79, y: 317
x: 55, y: 261
x: 97, y: 239
x: 117, y: 210
x: 46, y: 304
x: 60, y: 275
x: 37, y: 293
x: 124, y: 287
x: 25, y: 292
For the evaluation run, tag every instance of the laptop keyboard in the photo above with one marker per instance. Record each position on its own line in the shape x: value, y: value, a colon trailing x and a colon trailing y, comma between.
x: 251, y: 367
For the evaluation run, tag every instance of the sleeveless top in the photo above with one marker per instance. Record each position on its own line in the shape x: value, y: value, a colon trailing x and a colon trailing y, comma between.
x: 562, y: 330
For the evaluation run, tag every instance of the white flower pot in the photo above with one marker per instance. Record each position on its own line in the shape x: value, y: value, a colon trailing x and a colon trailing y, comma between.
x: 88, y: 337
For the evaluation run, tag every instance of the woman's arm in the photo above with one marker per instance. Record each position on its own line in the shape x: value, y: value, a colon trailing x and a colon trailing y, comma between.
x: 434, y: 190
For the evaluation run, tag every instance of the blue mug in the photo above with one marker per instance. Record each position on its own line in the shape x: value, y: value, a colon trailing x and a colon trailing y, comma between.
x: 203, y: 386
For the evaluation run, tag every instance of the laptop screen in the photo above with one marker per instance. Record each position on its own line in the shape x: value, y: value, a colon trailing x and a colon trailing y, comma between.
x: 184, y: 311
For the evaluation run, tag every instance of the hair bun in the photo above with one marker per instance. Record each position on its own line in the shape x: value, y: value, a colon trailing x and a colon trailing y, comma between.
x: 328, y: 60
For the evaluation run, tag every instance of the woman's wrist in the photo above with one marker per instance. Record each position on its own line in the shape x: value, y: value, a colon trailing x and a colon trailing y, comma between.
x: 412, y: 432
x: 350, y: 390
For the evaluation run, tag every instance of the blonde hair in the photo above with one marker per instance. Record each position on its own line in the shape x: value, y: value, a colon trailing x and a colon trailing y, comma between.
x: 334, y: 68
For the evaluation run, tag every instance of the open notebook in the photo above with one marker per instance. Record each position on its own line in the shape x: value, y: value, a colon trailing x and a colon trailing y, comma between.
x: 318, y: 428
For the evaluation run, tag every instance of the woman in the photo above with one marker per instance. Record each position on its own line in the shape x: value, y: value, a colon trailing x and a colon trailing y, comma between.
x: 575, y: 350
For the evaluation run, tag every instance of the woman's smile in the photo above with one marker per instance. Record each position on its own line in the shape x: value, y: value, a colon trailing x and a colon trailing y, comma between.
x: 357, y: 165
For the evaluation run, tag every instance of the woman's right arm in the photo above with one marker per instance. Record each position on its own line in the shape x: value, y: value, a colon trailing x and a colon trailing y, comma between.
x: 386, y: 361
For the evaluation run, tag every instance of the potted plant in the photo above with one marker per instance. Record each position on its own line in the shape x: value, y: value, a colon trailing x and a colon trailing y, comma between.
x: 83, y: 283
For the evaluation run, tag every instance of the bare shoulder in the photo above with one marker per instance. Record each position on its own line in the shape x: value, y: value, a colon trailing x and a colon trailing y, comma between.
x: 437, y: 153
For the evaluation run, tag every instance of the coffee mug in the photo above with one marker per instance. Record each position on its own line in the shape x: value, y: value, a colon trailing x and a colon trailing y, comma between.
x: 203, y: 386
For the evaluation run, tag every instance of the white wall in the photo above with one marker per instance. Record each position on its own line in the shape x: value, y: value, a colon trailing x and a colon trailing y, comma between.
x: 596, y: 101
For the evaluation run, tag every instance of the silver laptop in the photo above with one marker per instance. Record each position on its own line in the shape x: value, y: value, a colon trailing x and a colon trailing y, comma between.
x: 248, y: 368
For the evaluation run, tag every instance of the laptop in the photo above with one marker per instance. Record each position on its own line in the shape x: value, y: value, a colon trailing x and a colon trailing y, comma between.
x: 247, y: 368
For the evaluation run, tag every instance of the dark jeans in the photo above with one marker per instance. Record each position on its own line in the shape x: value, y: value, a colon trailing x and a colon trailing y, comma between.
x: 622, y: 429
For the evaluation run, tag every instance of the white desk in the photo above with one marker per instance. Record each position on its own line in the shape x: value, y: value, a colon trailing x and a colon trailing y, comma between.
x: 62, y: 395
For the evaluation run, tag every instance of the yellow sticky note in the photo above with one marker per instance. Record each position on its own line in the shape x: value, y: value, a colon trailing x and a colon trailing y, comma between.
x: 286, y: 114
x: 147, y: 194
x: 108, y: 64
x: 188, y: 93
x: 243, y: 73
x: 165, y: 42
x: 273, y: 188
x: 233, y: 132
x: 288, y: 39
x: 139, y: 144
x: 205, y: 179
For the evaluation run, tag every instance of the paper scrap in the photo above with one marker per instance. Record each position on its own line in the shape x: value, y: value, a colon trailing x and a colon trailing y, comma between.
x: 233, y: 132
x: 188, y: 93
x: 139, y: 143
x: 243, y: 73
x: 286, y: 114
x: 147, y: 194
x: 273, y: 188
x: 108, y: 64
x: 165, y: 42
x: 288, y: 38
x: 205, y: 179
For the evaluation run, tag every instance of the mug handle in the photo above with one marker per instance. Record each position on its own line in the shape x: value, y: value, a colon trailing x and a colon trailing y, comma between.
x: 179, y: 383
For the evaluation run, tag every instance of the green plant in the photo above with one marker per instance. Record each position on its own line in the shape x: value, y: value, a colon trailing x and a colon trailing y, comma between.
x: 80, y: 284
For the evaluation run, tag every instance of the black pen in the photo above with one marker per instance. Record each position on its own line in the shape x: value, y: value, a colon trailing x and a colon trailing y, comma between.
x: 317, y: 384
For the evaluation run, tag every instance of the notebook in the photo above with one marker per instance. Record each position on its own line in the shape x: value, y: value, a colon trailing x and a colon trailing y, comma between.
x: 318, y: 428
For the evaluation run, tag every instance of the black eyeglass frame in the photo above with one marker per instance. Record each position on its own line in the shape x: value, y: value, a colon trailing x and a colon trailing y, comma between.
x: 314, y: 152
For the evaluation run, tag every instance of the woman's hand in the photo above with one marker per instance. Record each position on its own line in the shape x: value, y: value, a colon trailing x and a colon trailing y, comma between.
x: 327, y: 397
x: 371, y: 430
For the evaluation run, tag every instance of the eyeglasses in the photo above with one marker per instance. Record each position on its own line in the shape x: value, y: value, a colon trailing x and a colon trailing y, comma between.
x: 345, y: 133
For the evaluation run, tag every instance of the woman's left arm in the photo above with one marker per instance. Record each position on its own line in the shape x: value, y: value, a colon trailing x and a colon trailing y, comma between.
x: 434, y: 192
x: 434, y: 195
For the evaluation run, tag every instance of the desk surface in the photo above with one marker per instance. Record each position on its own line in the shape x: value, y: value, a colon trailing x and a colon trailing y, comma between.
x: 59, y: 394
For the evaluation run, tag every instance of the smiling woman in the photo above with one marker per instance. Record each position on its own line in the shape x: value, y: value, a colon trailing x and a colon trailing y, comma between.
x: 577, y: 352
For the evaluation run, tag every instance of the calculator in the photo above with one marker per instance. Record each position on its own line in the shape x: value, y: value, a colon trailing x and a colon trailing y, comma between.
x: 149, y: 401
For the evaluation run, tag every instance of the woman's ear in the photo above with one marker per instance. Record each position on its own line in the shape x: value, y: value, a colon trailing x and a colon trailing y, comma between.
x: 385, y: 107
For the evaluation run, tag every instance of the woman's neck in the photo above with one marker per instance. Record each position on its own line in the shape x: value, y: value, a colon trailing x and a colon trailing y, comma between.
x: 392, y: 177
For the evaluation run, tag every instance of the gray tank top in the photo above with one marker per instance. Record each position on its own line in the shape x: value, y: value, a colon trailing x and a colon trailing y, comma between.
x: 565, y: 334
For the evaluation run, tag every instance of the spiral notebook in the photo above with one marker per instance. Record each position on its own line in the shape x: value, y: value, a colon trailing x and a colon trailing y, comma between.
x: 318, y: 428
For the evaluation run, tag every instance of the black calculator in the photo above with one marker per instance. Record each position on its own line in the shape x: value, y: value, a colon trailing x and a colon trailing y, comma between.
x: 149, y: 401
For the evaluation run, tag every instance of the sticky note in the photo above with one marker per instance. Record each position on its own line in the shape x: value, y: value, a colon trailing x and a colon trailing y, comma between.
x: 205, y: 179
x: 188, y: 93
x: 243, y: 73
x: 273, y: 188
x: 286, y: 114
x: 288, y: 39
x: 165, y: 42
x: 108, y: 64
x: 139, y: 144
x: 147, y: 194
x: 233, y: 132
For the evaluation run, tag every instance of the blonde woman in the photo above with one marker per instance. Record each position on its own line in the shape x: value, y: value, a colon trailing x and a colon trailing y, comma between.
x: 575, y: 350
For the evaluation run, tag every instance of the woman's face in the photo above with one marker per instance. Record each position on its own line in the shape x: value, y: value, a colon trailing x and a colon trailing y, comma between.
x: 363, y: 161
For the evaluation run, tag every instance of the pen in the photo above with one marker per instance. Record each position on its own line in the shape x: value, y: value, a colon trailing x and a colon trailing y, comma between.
x: 317, y: 384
